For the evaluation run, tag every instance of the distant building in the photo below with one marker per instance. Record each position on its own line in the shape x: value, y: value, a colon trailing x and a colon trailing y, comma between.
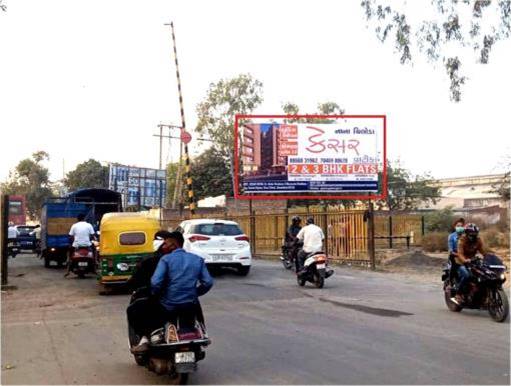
x: 470, y: 192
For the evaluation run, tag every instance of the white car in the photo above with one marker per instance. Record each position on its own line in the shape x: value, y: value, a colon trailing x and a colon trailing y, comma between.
x: 218, y: 242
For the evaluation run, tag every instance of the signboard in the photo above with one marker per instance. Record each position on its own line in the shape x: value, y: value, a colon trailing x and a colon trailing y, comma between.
x: 344, y: 155
x: 141, y: 187
x: 186, y: 137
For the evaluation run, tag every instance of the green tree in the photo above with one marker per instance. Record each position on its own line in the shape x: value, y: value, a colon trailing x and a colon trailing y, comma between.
x: 457, y: 27
x: 31, y: 179
x: 440, y: 220
x: 211, y: 174
x: 407, y: 191
x: 216, y: 112
x: 88, y: 174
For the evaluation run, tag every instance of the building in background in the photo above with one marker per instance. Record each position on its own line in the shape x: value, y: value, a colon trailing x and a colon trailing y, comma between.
x: 470, y: 192
x: 141, y: 188
x: 251, y: 148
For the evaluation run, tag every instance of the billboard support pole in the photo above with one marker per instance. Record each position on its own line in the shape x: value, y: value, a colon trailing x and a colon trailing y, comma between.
x: 370, y: 235
x: 3, y: 235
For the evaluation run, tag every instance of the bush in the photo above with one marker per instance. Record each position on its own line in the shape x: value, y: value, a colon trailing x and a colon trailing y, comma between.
x: 440, y: 220
x: 435, y: 242
x: 493, y: 238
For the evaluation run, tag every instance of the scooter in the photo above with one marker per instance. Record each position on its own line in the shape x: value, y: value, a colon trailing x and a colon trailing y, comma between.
x: 315, y: 270
x: 83, y: 261
x: 173, y: 350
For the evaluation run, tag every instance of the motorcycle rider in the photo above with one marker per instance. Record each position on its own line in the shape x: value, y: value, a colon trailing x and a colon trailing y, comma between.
x: 312, y: 237
x: 180, y: 278
x: 452, y: 240
x: 469, y: 244
x: 290, y: 238
x: 81, y: 234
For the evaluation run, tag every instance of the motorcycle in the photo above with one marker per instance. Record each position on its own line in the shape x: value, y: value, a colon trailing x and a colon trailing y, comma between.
x: 172, y: 350
x: 484, y: 287
x: 13, y: 248
x: 288, y: 256
x: 315, y: 270
x: 83, y: 261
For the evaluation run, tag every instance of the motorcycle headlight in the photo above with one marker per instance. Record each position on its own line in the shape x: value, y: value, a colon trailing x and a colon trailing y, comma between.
x: 123, y: 267
x: 502, y: 276
x: 157, y: 336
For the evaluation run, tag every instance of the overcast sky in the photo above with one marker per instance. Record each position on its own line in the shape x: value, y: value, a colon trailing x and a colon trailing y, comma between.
x: 92, y: 79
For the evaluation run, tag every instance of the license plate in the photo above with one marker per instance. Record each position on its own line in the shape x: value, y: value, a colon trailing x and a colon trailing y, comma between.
x: 222, y: 257
x: 321, y: 266
x: 82, y: 263
x: 185, y: 357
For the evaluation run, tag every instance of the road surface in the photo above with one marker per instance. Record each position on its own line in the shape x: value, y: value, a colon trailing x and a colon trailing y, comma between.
x: 362, y: 328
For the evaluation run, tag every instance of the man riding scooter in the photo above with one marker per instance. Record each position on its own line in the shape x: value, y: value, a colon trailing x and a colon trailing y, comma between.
x: 312, y: 237
x: 180, y: 278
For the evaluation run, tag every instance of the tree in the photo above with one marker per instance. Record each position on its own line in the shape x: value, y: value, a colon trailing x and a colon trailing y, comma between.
x: 211, y: 174
x: 31, y: 179
x: 225, y: 99
x: 407, y: 191
x: 458, y: 27
x: 88, y: 174
x: 502, y: 188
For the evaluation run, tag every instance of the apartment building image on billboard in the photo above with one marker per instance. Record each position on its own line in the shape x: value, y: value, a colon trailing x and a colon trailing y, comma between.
x: 265, y: 149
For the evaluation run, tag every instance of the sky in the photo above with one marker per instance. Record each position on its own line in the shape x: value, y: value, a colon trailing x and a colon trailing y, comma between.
x: 93, y: 79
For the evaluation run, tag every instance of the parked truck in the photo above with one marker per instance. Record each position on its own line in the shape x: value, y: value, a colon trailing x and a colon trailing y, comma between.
x: 59, y: 214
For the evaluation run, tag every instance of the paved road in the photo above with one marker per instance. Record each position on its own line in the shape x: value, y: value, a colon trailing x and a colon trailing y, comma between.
x: 362, y: 328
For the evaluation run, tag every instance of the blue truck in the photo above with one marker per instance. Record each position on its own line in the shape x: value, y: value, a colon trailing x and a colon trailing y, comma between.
x: 59, y: 214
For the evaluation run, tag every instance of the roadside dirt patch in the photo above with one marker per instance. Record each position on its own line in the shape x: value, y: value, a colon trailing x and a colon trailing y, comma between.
x: 416, y: 260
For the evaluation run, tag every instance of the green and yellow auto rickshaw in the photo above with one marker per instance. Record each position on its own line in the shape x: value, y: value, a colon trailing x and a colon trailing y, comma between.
x: 125, y: 239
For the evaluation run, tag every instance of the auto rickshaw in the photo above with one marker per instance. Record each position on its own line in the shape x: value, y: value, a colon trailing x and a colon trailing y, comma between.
x: 125, y: 239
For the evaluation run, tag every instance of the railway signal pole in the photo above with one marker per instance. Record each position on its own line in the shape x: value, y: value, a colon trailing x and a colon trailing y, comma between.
x: 191, y: 200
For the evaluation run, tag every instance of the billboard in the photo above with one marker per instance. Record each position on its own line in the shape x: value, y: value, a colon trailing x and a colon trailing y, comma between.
x: 141, y: 187
x: 344, y: 155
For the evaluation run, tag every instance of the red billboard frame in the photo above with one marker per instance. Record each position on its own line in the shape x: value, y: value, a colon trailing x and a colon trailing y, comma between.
x: 239, y: 196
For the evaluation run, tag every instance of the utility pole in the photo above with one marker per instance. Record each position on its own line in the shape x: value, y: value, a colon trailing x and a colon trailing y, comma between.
x: 191, y: 200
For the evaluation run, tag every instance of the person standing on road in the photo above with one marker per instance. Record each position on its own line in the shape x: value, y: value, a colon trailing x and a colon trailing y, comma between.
x: 81, y: 233
x: 312, y: 237
x: 12, y: 232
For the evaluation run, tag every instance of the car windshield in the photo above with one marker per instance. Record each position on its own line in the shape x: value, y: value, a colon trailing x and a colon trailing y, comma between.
x: 25, y: 231
x: 217, y: 229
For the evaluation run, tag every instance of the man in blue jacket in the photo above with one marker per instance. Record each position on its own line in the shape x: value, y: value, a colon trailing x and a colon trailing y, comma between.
x: 180, y: 278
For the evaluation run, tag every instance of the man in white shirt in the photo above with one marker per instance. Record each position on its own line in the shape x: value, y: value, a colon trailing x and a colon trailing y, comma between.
x: 312, y: 237
x: 81, y: 233
x: 12, y: 232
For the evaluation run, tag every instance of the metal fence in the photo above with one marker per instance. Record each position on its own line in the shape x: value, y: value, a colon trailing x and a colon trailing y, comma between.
x: 346, y: 231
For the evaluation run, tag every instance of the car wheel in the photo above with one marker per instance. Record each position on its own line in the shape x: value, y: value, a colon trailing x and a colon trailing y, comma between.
x: 243, y: 270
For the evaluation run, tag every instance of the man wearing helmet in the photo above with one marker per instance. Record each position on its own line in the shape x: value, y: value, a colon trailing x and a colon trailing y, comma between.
x: 290, y: 238
x: 312, y: 237
x: 145, y: 269
x: 469, y: 244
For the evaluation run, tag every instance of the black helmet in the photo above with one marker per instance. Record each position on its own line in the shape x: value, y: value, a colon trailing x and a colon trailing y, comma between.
x: 472, y: 231
x: 296, y: 219
x: 310, y: 220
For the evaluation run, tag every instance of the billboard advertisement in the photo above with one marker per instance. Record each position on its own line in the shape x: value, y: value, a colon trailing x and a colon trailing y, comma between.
x: 141, y: 187
x: 343, y: 155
